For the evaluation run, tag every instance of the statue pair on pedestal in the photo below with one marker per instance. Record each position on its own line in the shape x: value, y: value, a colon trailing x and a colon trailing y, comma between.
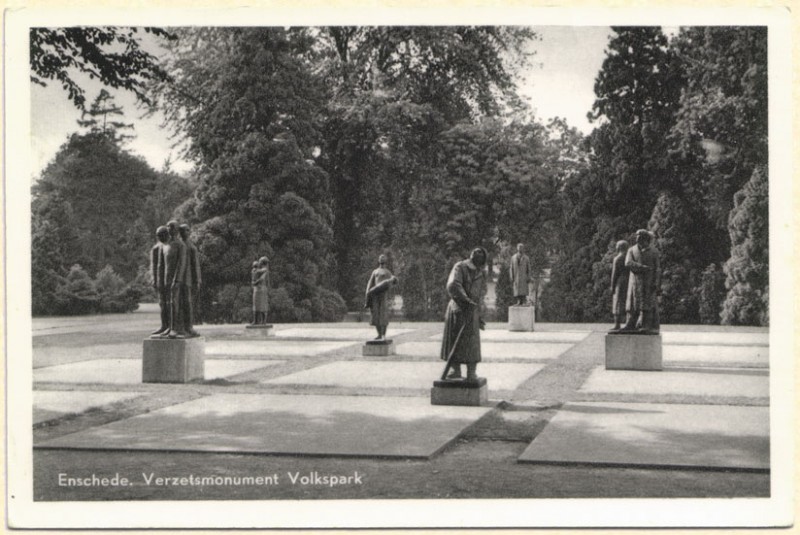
x: 636, y: 286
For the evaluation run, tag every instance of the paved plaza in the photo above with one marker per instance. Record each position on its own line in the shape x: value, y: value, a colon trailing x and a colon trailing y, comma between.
x: 307, y: 391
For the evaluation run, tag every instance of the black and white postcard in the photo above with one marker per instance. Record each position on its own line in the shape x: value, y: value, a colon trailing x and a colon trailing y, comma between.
x: 436, y: 267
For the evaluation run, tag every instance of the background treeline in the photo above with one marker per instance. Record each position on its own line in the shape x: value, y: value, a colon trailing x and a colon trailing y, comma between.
x: 324, y: 147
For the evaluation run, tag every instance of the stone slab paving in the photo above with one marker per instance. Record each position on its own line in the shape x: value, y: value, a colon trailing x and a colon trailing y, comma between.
x: 49, y: 404
x: 52, y: 355
x: 755, y: 356
x: 496, y: 335
x: 715, y: 338
x: 491, y: 350
x: 344, y: 333
x: 272, y: 348
x: 647, y: 434
x: 286, y: 424
x: 128, y: 371
x: 725, y: 382
x: 393, y: 374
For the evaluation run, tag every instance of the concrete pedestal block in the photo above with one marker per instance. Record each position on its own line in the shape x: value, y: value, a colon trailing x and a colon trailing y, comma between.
x: 633, y: 352
x: 460, y: 392
x: 262, y: 331
x: 170, y: 360
x: 521, y: 318
x: 378, y: 348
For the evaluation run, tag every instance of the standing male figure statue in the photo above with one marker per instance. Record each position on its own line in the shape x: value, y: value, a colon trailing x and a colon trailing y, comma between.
x: 619, y: 284
x: 158, y: 272
x: 175, y: 274
x: 191, y: 282
x: 260, y: 282
x: 461, y: 343
x: 520, y: 272
x: 377, y: 296
x: 644, y: 285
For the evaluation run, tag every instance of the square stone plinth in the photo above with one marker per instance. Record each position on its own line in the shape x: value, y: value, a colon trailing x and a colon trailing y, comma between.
x: 167, y: 360
x: 378, y: 348
x: 633, y: 352
x: 262, y: 331
x: 648, y: 434
x: 348, y: 426
x: 460, y: 393
x: 521, y: 319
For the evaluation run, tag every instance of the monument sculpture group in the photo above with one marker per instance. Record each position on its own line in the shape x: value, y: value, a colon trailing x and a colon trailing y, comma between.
x: 636, y: 281
x: 175, y: 268
x: 521, y: 316
x: 461, y: 343
x: 174, y: 353
x: 377, y: 300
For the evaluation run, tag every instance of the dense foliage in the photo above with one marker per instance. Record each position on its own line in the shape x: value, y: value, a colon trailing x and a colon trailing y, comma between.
x: 683, y: 125
x: 324, y: 147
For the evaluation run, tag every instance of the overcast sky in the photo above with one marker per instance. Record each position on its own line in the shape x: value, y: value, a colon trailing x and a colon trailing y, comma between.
x: 560, y: 83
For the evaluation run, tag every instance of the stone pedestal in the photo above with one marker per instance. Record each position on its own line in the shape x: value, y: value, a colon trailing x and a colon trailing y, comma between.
x: 633, y: 352
x: 172, y: 360
x: 521, y: 318
x: 262, y: 331
x: 378, y: 348
x: 460, y: 392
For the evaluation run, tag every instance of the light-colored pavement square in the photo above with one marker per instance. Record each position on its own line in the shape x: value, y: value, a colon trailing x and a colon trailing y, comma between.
x: 272, y: 348
x: 327, y: 333
x: 286, y: 424
x: 393, y: 374
x: 129, y: 371
x: 755, y: 356
x: 647, y: 434
x: 725, y: 382
x: 54, y: 355
x: 491, y: 350
x: 49, y: 404
x: 715, y: 338
x: 500, y: 335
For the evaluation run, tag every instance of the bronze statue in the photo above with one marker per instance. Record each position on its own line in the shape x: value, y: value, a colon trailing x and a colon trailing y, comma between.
x: 377, y: 296
x: 461, y: 343
x: 520, y: 272
x: 175, y: 265
x: 158, y: 272
x: 619, y: 284
x: 191, y: 282
x: 644, y: 286
x: 253, y: 279
x: 260, y: 281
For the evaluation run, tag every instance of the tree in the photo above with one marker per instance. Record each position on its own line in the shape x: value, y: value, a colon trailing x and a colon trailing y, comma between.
x: 747, y: 271
x: 672, y: 225
x: 100, y: 121
x: 112, y: 55
x: 249, y: 106
x: 106, y: 189
x: 711, y: 295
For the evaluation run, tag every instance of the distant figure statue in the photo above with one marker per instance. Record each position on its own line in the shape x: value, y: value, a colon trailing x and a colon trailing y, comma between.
x: 377, y: 296
x: 520, y: 272
x: 253, y: 279
x: 191, y: 282
x: 175, y: 262
x: 260, y: 282
x: 619, y: 284
x: 644, y: 286
x: 158, y: 272
x: 461, y: 343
